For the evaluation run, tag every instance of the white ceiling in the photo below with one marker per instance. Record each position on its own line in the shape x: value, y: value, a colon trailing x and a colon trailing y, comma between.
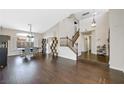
x: 91, y: 12
x: 41, y: 19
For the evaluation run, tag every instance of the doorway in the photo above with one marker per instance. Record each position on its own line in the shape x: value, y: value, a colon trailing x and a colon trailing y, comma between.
x: 89, y: 49
x: 87, y: 43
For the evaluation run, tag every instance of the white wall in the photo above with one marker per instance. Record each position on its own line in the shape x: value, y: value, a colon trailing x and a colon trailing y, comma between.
x: 85, y: 25
x: 116, y: 21
x: 37, y: 39
x: 102, y: 29
x: 80, y: 42
x: 66, y: 52
x: 99, y: 33
x: 12, y: 46
x: 62, y: 29
x: 66, y: 28
x: 52, y: 32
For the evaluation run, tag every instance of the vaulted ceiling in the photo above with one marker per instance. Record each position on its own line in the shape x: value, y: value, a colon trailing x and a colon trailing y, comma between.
x: 41, y: 19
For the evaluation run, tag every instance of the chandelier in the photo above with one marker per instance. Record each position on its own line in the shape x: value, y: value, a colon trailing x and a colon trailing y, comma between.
x: 30, y: 31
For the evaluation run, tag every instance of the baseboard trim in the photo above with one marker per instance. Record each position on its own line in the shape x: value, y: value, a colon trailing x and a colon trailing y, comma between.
x: 112, y: 67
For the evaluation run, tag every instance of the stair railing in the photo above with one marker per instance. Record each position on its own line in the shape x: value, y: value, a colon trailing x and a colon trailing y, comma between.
x: 65, y: 41
x: 75, y: 37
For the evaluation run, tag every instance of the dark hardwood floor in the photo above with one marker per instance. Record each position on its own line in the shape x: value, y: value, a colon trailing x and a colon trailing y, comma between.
x: 50, y: 70
x: 94, y: 58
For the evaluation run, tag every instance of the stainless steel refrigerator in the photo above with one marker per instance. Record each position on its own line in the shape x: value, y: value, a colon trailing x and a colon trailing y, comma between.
x: 3, y: 50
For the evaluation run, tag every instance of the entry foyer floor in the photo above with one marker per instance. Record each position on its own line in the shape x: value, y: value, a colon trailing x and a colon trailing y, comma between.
x: 50, y: 70
x: 85, y: 56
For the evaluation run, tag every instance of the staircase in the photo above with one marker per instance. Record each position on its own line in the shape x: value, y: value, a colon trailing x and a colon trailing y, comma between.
x: 75, y: 37
x: 70, y: 43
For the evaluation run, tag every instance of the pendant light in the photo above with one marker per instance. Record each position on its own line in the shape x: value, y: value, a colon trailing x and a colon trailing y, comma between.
x: 30, y: 35
x: 93, y: 22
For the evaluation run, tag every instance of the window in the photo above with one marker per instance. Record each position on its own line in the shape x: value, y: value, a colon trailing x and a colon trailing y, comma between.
x: 24, y: 41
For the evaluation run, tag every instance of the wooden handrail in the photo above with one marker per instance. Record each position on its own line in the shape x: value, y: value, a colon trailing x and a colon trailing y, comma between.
x: 70, y: 39
x: 66, y: 38
x: 76, y: 34
x: 63, y: 37
x: 75, y: 50
x: 71, y: 43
